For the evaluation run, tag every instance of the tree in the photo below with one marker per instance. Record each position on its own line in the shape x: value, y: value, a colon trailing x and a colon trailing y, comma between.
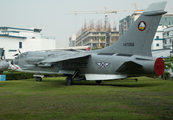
x: 102, y: 38
x: 168, y: 65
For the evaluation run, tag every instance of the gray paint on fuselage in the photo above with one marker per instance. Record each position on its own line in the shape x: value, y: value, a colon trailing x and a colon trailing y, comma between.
x: 86, y: 65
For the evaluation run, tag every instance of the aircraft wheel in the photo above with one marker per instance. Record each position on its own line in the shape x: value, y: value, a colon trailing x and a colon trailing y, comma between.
x: 136, y: 80
x: 98, y: 81
x: 69, y: 80
x: 38, y: 79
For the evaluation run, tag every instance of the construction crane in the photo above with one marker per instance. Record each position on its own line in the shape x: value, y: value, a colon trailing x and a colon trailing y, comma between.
x: 136, y: 10
x: 106, y: 12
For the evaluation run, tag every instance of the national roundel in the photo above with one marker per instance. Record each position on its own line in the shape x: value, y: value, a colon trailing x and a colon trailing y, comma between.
x: 142, y: 26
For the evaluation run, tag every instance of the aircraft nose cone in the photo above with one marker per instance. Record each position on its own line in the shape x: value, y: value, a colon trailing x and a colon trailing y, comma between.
x: 4, y: 65
x: 159, y: 66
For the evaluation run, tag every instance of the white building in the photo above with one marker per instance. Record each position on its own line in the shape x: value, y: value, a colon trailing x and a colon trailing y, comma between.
x: 167, y: 43
x: 168, y: 36
x: 158, y: 38
x: 72, y: 41
x: 12, y: 39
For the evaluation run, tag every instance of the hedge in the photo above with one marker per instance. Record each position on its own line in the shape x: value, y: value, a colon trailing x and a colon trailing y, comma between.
x: 17, y: 75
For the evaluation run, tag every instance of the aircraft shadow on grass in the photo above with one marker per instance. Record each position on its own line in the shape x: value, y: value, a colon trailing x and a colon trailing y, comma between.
x: 131, y: 85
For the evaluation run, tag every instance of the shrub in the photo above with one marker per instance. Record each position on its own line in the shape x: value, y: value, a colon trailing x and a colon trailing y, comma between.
x: 52, y: 75
x: 17, y: 75
x: 166, y: 75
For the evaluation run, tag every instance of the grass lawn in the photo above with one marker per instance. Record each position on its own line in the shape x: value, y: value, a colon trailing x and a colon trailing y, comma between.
x: 147, y: 99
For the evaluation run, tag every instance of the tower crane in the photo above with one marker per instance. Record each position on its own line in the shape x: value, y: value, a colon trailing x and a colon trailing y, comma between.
x: 105, y: 12
x: 136, y: 10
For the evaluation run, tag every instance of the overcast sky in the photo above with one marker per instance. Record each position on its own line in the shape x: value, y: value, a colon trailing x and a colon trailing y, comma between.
x: 50, y: 15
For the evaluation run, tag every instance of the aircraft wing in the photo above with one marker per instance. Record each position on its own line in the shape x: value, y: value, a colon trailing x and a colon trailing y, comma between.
x: 63, y: 57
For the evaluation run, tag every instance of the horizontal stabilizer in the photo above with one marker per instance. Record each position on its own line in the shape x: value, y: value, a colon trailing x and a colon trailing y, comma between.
x: 63, y: 57
x: 128, y: 66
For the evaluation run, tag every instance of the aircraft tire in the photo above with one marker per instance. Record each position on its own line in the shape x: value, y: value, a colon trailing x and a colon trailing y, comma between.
x: 136, y: 80
x: 38, y: 79
x: 98, y: 81
x: 69, y: 80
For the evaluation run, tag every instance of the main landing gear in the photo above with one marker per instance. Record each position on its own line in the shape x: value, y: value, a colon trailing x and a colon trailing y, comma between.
x: 69, y: 80
x: 38, y: 79
x: 98, y: 81
x: 75, y: 77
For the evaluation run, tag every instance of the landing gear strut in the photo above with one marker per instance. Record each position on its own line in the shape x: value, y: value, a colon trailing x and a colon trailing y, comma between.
x: 74, y: 77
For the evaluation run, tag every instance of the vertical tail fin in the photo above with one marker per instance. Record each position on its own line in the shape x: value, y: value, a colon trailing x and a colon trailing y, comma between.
x: 138, y: 38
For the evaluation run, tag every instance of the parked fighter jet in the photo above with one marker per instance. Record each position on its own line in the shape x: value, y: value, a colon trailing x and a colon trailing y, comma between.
x: 129, y: 56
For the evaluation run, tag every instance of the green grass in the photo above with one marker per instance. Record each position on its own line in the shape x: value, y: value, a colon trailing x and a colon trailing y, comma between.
x: 147, y: 99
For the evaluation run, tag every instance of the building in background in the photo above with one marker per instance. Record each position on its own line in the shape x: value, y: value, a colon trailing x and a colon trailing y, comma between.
x: 157, y: 47
x: 168, y: 37
x: 164, y: 41
x: 97, y: 36
x: 126, y: 22
x: 14, y: 39
x: 158, y: 39
x: 72, y: 41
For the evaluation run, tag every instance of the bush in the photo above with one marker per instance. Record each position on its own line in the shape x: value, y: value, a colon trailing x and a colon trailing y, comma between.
x: 53, y: 75
x: 166, y: 75
x: 17, y: 75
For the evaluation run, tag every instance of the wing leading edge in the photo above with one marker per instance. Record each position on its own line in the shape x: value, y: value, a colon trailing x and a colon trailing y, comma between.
x: 63, y: 57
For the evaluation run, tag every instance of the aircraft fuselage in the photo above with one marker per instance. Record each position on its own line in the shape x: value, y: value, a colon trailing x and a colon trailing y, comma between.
x: 96, y: 64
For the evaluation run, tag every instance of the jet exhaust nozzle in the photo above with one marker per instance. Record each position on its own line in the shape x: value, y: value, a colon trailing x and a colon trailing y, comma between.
x: 159, y: 66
